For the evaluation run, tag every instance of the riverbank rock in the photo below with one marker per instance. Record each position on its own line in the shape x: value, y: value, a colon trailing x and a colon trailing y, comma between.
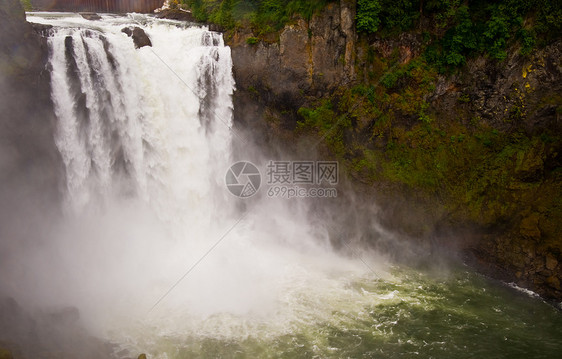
x: 175, y: 14
x: 140, y: 38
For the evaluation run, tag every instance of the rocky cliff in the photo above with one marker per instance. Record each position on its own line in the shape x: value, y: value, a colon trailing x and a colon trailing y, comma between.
x: 468, y: 161
x: 518, y: 99
x: 29, y: 164
x: 30, y: 168
x: 305, y: 59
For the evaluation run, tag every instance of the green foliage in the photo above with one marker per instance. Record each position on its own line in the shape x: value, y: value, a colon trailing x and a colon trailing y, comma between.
x: 252, y: 40
x: 223, y: 15
x: 368, y: 15
x: 399, y: 15
x: 461, y: 29
x: 387, y: 14
x: 422, y: 114
x: 464, y: 98
x: 476, y: 172
x: 321, y: 118
x: 263, y: 16
x: 389, y: 80
x: 549, y: 18
x: 458, y: 43
x: 445, y: 11
x: 528, y: 41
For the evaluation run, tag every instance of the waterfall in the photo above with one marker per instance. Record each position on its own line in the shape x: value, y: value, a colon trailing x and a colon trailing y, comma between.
x: 150, y: 233
x: 133, y: 122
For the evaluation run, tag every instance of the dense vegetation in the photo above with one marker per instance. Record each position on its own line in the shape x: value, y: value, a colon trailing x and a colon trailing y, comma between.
x: 385, y: 128
x: 263, y: 16
x: 456, y: 29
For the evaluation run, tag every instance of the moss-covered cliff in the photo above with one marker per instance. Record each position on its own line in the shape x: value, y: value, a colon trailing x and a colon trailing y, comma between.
x: 449, y: 110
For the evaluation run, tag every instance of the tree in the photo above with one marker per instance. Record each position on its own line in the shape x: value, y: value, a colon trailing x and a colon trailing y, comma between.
x: 368, y: 15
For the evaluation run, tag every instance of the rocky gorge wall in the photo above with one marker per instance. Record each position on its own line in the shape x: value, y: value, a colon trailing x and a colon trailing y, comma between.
x: 31, y: 176
x: 468, y: 162
x: 307, y: 58
x: 521, y: 215
x: 30, y: 167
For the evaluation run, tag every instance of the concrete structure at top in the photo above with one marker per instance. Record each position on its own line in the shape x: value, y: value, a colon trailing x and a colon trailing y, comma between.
x: 107, y: 6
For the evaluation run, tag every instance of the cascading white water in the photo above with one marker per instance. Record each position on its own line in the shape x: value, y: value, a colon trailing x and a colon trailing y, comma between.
x: 135, y: 120
x: 146, y: 141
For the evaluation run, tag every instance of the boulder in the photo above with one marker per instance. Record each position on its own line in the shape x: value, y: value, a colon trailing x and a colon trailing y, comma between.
x: 42, y: 29
x: 175, y: 14
x: 90, y: 16
x: 140, y: 38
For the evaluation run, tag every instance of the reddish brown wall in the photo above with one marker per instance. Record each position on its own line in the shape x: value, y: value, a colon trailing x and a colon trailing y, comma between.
x: 112, y: 6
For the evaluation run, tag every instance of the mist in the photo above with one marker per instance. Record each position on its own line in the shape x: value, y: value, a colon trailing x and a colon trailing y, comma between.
x: 141, y: 231
x: 128, y: 230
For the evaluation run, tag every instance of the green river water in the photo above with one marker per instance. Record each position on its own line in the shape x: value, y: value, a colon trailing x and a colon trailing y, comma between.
x: 410, y: 314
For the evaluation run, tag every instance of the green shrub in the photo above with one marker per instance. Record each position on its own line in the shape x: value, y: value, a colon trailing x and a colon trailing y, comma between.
x: 461, y: 29
x: 399, y: 15
x: 263, y: 16
x: 368, y: 15
x: 528, y: 40
x: 252, y: 40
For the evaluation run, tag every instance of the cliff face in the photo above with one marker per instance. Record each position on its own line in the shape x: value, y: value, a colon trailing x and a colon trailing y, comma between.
x: 307, y: 58
x: 30, y: 166
x: 521, y: 215
x: 29, y: 159
x: 474, y: 155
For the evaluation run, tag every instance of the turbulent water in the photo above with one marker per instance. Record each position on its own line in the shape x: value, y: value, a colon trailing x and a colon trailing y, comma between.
x: 160, y: 258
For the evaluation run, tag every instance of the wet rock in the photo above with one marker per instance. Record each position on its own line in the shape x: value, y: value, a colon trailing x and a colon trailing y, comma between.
x: 306, y: 58
x: 539, y: 263
x: 42, y: 29
x: 529, y: 227
x: 176, y: 14
x: 215, y: 27
x: 529, y: 249
x: 409, y: 45
x: 554, y: 282
x: 90, y: 16
x: 142, y: 356
x: 140, y: 38
x: 551, y: 262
